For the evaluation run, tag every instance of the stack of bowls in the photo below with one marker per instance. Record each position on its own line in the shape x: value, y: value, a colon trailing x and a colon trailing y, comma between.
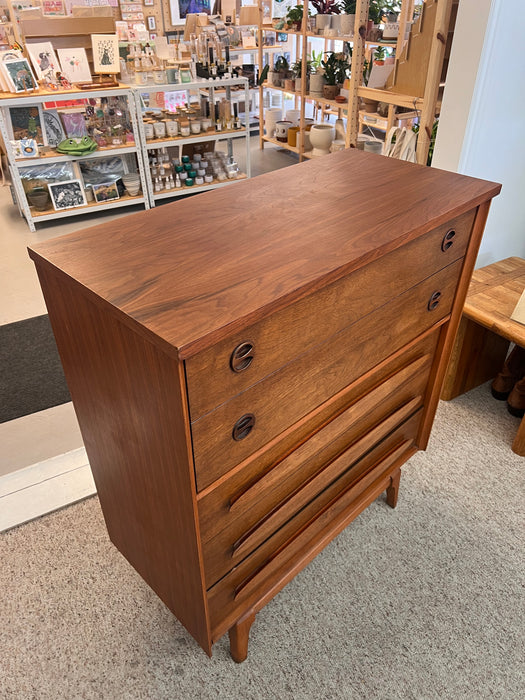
x: 131, y: 182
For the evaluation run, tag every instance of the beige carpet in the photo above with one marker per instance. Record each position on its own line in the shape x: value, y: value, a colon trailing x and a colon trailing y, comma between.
x: 422, y: 602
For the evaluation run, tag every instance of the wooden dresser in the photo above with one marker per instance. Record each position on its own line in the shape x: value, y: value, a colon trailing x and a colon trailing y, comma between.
x: 251, y: 367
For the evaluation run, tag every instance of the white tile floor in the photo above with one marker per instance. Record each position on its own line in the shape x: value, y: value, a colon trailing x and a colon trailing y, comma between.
x: 33, y: 444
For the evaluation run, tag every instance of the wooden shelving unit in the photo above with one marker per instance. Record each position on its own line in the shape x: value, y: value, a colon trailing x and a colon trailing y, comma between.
x: 429, y: 34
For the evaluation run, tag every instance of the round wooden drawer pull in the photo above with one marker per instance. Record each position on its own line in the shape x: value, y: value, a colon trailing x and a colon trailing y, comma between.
x: 433, y: 301
x: 243, y: 427
x: 448, y: 240
x: 242, y: 357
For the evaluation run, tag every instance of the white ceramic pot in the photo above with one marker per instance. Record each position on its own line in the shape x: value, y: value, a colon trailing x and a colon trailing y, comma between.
x: 347, y: 25
x: 271, y: 116
x: 336, y: 24
x: 316, y: 84
x: 340, y: 131
x: 321, y: 137
x: 322, y: 22
x: 298, y: 85
x: 281, y: 130
x: 293, y: 115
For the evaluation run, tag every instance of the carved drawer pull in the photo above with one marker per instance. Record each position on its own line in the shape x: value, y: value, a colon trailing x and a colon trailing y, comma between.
x: 242, y: 357
x: 433, y: 301
x: 243, y: 427
x: 448, y: 240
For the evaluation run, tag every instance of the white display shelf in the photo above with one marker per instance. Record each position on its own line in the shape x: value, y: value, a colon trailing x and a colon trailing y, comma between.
x: 202, y: 85
x: 17, y: 165
x: 196, y: 138
x: 181, y: 191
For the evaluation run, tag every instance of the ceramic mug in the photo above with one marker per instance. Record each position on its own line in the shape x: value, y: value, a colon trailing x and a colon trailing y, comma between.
x: 281, y: 130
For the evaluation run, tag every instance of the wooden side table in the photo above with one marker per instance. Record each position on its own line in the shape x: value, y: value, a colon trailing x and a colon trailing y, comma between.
x: 486, y: 330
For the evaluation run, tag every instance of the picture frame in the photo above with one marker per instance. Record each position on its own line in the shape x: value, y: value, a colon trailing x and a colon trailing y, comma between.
x: 53, y: 8
x: 26, y: 122
x: 29, y: 148
x: 106, y: 57
x: 43, y: 58
x: 19, y: 75
x: 151, y: 23
x: 75, y: 65
x: 149, y: 3
x: 53, y: 129
x: 67, y: 194
x: 74, y: 124
x: 105, y: 192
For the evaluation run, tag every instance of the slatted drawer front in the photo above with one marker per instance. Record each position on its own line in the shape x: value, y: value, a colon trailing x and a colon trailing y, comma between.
x: 243, y: 425
x: 248, y: 581
x: 254, y: 510
x: 231, y: 366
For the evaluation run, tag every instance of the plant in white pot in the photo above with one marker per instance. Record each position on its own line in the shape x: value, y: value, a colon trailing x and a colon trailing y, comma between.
x: 297, y: 71
x: 326, y: 9
x: 317, y: 75
x: 336, y: 70
x: 348, y: 18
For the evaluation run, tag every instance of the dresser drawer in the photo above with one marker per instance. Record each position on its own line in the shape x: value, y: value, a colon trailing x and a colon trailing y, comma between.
x: 231, y: 366
x: 253, y: 511
x: 295, y: 390
x: 248, y: 582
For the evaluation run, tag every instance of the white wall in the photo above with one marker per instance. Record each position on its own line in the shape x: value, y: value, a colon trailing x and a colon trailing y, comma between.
x: 482, y: 125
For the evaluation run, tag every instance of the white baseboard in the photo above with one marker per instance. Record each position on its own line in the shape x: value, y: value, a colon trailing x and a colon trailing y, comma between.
x: 44, y: 487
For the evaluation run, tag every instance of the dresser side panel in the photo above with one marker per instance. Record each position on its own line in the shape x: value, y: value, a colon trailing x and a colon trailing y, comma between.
x: 130, y: 402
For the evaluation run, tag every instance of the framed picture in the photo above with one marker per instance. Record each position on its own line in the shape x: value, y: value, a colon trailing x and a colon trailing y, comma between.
x: 27, y: 123
x: 74, y: 124
x: 53, y: 130
x: 19, y: 75
x: 52, y: 8
x: 67, y: 194
x: 106, y: 192
x: 105, y: 53
x: 29, y: 148
x: 75, y: 65
x: 43, y: 58
x: 151, y: 23
x: 149, y: 3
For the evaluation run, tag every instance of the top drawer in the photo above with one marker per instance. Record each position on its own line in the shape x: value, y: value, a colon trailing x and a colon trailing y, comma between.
x: 229, y: 367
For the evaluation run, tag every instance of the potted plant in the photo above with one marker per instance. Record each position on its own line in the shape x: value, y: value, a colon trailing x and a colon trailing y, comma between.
x: 297, y: 71
x: 348, y: 18
x: 282, y: 68
x: 294, y: 17
x: 325, y: 10
x: 317, y: 74
x: 336, y: 70
x: 379, y: 56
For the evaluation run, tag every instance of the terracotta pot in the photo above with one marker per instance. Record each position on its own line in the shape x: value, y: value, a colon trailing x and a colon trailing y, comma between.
x: 289, y: 84
x: 370, y: 105
x: 330, y: 91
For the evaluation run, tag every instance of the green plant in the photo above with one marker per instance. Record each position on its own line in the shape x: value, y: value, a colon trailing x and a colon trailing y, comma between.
x: 317, y: 60
x: 298, y: 67
x: 367, y: 68
x: 336, y: 68
x: 433, y: 135
x: 349, y: 6
x: 378, y: 8
x: 380, y: 53
x: 326, y: 7
x: 295, y: 15
x: 282, y: 65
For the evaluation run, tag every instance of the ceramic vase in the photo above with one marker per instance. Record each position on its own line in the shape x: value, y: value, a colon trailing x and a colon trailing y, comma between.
x: 271, y: 116
x: 322, y: 22
x: 330, y: 92
x: 316, y: 84
x: 347, y: 25
x: 293, y: 115
x: 321, y: 137
x: 281, y: 130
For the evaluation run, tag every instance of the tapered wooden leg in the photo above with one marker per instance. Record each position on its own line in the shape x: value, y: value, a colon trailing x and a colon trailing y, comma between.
x: 518, y: 446
x: 239, y: 637
x: 393, y: 490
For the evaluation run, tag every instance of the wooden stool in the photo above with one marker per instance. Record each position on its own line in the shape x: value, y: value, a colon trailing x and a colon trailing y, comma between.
x: 486, y: 330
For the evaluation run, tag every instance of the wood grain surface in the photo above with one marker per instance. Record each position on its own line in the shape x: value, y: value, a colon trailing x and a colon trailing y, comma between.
x: 194, y: 271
